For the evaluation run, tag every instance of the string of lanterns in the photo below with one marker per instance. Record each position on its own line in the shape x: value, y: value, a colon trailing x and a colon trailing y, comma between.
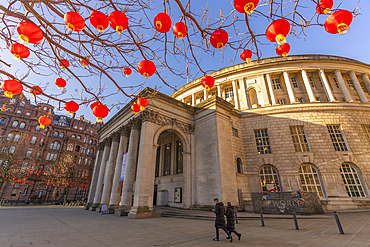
x: 277, y: 31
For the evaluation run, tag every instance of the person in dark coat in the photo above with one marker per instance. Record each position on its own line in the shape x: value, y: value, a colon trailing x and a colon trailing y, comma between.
x: 230, y: 215
x: 220, y: 220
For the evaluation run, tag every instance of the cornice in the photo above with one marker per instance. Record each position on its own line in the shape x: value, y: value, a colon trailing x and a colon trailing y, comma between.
x: 305, y: 107
x: 243, y: 67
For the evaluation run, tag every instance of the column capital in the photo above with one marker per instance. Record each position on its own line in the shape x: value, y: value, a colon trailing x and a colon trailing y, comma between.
x: 125, y: 131
x: 116, y: 136
x: 135, y: 123
x: 101, y: 146
x: 107, y: 141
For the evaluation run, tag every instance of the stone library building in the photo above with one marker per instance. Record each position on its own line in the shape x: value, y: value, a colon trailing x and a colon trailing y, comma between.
x: 299, y: 123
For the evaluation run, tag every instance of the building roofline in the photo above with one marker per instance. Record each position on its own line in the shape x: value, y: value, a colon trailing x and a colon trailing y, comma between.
x: 265, y: 62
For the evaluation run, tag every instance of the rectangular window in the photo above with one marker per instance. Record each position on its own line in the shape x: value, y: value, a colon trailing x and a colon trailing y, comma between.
x: 367, y: 130
x: 300, y: 100
x: 294, y: 82
x: 281, y: 101
x: 350, y: 84
x: 213, y: 93
x: 299, y: 139
x: 34, y: 138
x: 179, y: 160
x: 276, y: 83
x: 337, y: 137
x: 322, y: 85
x: 229, y: 92
x: 167, y: 160
x: 262, y: 141
x: 363, y: 87
x: 29, y: 152
x: 157, y: 160
x: 235, y: 132
x: 311, y: 81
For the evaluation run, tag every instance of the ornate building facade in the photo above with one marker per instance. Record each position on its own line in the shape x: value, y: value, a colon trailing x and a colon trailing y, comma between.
x: 300, y: 123
x: 65, y: 135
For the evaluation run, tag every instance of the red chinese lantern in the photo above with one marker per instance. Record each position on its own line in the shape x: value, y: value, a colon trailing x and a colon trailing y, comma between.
x: 84, y: 61
x: 245, y: 6
x: 208, y: 82
x: 11, y: 87
x: 44, y: 121
x: 142, y: 102
x: 29, y: 32
x: 71, y: 107
x: 100, y: 111
x: 93, y: 105
x: 246, y: 56
x: 146, y: 68
x: 283, y: 50
x: 324, y: 6
x: 118, y: 21
x: 60, y: 82
x: 135, y: 108
x: 277, y: 31
x: 339, y: 22
x: 180, y: 30
x: 74, y: 21
x: 127, y: 71
x: 19, y: 51
x: 99, y: 20
x: 64, y: 63
x: 162, y: 22
x: 219, y: 38
x: 36, y: 90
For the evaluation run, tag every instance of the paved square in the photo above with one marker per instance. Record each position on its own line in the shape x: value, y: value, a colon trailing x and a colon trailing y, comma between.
x: 73, y: 227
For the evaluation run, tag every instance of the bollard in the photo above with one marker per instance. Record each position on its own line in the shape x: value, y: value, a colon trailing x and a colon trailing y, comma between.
x: 295, y: 221
x: 261, y: 214
x: 338, y: 222
x: 236, y: 215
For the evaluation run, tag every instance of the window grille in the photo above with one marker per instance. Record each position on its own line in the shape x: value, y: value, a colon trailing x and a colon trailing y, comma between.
x: 269, y: 179
x: 310, y: 179
x: 351, y: 181
x: 337, y: 137
x: 262, y: 141
x: 299, y: 139
x: 276, y: 83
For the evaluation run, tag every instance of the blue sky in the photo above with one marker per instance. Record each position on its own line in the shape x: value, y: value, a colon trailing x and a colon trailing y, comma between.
x: 317, y: 41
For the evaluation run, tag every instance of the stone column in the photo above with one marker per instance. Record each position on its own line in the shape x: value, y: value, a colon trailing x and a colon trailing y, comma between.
x: 204, y: 94
x: 243, y: 94
x: 99, y: 186
x: 327, y: 89
x: 366, y: 80
x: 343, y: 86
x: 187, y: 179
x: 95, y: 175
x: 307, y: 85
x: 289, y: 88
x: 271, y: 89
x: 131, y: 163
x: 193, y: 99
x: 358, y: 87
x: 261, y: 80
x: 236, y: 98
x: 110, y: 169
x: 144, y: 185
x: 219, y: 91
x: 115, y: 195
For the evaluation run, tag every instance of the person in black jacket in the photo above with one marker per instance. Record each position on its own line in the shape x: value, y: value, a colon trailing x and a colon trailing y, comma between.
x: 220, y: 220
x: 230, y: 215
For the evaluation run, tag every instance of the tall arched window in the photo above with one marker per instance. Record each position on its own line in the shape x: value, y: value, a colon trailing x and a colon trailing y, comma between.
x: 239, y: 165
x: 269, y: 179
x: 352, y: 181
x: 10, y: 135
x: 310, y: 179
x: 56, y: 134
x: 51, y: 145
x: 15, y: 124
x: 78, y: 137
x: 61, y: 135
x: 17, y: 137
x: 22, y: 125
x: 2, y: 121
x: 73, y: 136
x: 57, y: 145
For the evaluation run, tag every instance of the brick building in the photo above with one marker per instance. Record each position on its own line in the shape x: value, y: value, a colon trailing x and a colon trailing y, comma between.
x: 65, y: 135
x: 300, y: 123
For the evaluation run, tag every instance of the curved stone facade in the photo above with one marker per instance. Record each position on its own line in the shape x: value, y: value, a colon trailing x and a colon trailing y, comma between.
x: 300, y: 123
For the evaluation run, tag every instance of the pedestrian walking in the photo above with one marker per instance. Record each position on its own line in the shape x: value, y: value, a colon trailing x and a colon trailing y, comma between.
x: 230, y: 215
x: 220, y: 220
